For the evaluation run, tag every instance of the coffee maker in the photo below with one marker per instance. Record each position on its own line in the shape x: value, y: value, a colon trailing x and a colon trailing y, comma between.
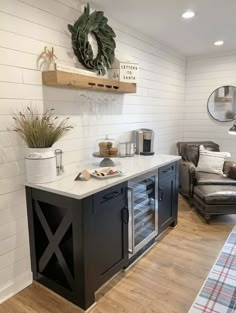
x: 144, y: 140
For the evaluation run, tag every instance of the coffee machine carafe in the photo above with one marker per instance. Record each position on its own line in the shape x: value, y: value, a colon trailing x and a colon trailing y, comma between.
x: 144, y: 140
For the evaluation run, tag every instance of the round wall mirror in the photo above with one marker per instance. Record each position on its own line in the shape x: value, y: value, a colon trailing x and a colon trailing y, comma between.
x: 222, y: 104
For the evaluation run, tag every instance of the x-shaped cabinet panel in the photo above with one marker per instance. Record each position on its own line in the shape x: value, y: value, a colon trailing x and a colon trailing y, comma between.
x: 54, y: 241
x: 62, y: 245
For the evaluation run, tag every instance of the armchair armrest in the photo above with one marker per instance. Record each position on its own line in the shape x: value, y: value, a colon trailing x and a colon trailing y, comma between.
x: 187, y: 178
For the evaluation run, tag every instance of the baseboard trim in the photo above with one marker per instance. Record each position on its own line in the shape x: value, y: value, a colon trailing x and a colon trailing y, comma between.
x: 13, y: 287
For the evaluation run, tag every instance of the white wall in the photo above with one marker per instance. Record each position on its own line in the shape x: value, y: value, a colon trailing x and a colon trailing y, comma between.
x: 27, y: 26
x: 204, y: 75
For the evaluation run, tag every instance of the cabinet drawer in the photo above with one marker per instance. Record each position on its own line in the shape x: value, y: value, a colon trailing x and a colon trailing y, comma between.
x: 166, y: 171
x: 108, y: 196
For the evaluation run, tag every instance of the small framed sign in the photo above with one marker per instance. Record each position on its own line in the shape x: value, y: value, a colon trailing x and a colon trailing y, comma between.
x: 125, y: 72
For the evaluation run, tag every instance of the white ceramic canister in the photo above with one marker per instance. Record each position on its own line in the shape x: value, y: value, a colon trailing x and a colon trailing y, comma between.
x: 40, y: 166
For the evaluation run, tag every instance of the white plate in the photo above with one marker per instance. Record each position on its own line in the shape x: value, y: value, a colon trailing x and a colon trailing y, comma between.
x: 92, y: 173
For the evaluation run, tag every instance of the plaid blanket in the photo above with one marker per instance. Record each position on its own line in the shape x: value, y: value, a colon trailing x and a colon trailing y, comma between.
x: 218, y: 293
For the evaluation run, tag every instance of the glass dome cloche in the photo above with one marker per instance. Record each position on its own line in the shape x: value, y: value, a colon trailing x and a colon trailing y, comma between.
x: 106, y: 148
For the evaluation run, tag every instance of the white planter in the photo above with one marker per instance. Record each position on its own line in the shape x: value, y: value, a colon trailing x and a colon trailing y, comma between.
x: 40, y: 166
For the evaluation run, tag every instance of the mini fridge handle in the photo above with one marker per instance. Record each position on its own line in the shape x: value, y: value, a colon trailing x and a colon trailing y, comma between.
x: 131, y: 219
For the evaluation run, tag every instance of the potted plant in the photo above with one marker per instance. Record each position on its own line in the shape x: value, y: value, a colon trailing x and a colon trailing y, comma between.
x: 40, y: 132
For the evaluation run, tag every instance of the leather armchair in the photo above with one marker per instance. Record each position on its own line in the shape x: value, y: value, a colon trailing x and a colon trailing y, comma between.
x: 211, y: 194
x: 189, y: 151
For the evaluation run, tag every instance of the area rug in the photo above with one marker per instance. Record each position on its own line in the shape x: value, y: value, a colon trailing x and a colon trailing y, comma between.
x: 218, y: 293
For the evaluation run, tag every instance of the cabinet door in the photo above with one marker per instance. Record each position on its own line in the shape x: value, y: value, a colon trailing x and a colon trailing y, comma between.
x: 110, y: 232
x: 166, y: 203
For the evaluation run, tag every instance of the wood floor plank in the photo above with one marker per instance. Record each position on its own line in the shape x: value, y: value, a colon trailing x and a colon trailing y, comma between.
x: 166, y: 280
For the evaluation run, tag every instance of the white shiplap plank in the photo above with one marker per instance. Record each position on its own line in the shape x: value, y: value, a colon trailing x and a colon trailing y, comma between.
x: 12, y: 214
x: 11, y: 243
x: 14, y: 256
x: 12, y: 57
x: 33, y: 14
x: 11, y: 200
x: 19, y: 26
x: 15, y: 285
x: 10, y: 106
x: 61, y: 9
x: 21, y: 91
x: 12, y: 271
x: 33, y: 46
x: 13, y: 228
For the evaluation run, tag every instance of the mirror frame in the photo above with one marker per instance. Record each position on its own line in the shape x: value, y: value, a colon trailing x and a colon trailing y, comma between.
x: 228, y: 121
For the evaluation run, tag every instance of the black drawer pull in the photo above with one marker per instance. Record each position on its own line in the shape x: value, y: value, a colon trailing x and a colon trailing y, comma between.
x: 167, y: 171
x: 125, y: 216
x: 111, y: 195
x: 160, y: 196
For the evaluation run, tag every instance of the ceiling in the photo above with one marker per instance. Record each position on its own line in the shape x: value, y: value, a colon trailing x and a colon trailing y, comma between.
x: 161, y: 20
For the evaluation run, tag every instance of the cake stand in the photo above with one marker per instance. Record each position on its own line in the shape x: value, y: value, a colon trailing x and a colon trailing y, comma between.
x: 107, y: 160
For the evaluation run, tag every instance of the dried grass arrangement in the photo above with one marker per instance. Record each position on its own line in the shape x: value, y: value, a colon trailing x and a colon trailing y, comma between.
x: 40, y: 130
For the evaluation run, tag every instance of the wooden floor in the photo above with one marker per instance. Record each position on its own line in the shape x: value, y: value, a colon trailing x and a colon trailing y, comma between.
x: 166, y: 280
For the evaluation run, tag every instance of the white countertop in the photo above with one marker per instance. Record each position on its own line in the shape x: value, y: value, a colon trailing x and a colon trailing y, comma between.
x: 131, y: 167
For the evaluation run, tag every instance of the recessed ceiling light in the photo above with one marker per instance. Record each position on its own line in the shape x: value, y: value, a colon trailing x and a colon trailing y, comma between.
x: 188, y: 14
x: 219, y: 43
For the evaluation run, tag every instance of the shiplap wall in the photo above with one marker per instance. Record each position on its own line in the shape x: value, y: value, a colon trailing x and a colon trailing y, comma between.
x: 26, y: 26
x: 204, y: 75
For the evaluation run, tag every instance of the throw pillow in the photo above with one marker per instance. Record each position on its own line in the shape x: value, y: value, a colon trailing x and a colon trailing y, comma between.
x: 211, y: 162
x: 191, y: 151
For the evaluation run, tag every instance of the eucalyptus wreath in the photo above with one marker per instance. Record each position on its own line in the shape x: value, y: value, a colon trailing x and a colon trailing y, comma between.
x: 95, y: 23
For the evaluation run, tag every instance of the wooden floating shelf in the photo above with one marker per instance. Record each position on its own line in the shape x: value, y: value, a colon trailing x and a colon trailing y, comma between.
x: 74, y: 80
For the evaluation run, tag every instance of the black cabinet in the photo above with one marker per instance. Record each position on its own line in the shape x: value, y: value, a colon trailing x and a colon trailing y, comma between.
x: 168, y: 196
x: 109, y: 232
x: 77, y: 245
